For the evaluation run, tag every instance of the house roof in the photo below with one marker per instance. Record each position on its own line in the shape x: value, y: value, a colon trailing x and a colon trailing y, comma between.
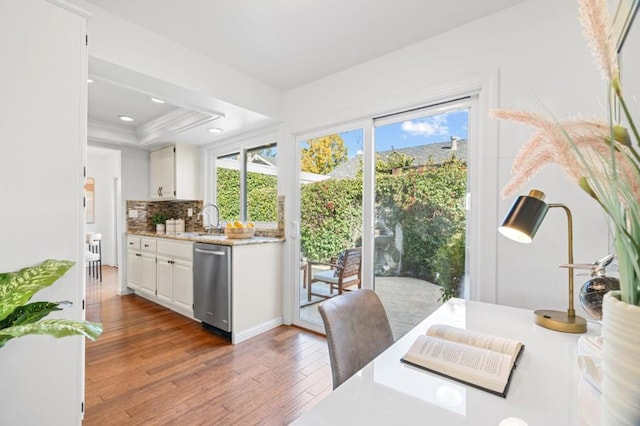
x: 438, y: 152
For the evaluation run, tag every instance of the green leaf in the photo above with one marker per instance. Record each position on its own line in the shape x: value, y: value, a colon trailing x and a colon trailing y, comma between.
x: 29, y: 313
x: 16, y: 288
x: 54, y: 327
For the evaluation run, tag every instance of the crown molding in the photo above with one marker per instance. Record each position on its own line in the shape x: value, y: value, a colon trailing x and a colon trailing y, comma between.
x: 100, y: 131
x: 171, y: 123
x: 71, y: 8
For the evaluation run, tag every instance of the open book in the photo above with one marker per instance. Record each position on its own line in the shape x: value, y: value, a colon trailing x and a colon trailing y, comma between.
x: 476, y: 359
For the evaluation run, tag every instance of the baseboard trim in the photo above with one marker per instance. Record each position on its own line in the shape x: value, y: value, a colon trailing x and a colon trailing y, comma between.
x: 254, y: 331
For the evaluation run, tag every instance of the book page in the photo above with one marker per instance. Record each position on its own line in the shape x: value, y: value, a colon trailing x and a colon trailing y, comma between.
x: 473, y: 338
x: 482, y: 367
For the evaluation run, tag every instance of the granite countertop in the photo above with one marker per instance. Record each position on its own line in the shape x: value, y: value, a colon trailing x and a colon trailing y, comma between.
x: 199, y: 237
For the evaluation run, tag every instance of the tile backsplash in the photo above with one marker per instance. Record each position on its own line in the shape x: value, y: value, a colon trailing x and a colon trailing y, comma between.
x: 171, y: 210
x: 179, y: 210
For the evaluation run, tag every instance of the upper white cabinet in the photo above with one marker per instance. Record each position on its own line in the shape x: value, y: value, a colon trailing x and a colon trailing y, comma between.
x: 175, y: 173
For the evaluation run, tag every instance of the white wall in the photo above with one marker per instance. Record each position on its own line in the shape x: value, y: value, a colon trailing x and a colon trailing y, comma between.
x: 43, y: 126
x: 104, y: 167
x: 537, y: 50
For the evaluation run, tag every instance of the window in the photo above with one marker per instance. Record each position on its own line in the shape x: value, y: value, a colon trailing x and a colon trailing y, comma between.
x: 247, y: 185
x: 262, y: 184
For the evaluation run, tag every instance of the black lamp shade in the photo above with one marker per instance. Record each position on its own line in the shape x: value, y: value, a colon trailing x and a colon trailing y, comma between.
x: 524, y: 217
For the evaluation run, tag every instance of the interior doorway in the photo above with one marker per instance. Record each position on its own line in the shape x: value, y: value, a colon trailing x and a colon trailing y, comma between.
x: 104, y: 167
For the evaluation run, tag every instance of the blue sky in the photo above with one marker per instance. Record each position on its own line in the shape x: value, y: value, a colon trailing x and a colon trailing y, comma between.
x: 422, y: 131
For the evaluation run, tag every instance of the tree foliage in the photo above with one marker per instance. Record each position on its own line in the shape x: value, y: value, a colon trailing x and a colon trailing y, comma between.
x: 323, y: 154
x: 395, y: 160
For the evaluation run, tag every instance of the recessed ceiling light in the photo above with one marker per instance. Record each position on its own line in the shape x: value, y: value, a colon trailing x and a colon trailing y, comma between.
x: 89, y: 81
x: 215, y: 129
x: 125, y: 118
x: 156, y: 100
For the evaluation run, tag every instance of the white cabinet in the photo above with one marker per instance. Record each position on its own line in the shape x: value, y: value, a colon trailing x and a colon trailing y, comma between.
x: 141, y: 265
x: 165, y: 279
x: 161, y: 270
x: 183, y: 285
x: 134, y: 263
x: 175, y: 173
x: 148, y: 281
x: 175, y: 275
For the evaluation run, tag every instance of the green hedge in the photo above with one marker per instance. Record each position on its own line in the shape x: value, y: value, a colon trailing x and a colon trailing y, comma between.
x: 427, y: 204
x: 262, y: 199
x: 331, y: 217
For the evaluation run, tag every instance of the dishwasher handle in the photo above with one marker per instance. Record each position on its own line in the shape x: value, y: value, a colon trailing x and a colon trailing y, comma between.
x: 216, y: 253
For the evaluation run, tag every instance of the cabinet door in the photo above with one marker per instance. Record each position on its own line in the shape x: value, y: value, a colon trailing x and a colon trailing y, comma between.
x: 134, y: 269
x: 149, y: 275
x: 183, y: 285
x: 165, y: 279
x: 163, y: 173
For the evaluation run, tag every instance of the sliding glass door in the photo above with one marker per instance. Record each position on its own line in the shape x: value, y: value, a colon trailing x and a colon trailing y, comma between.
x: 395, y: 188
x: 330, y: 213
x: 420, y: 216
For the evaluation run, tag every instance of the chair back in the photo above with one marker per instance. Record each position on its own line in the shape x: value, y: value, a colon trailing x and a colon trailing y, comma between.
x: 357, y: 330
x: 349, y: 260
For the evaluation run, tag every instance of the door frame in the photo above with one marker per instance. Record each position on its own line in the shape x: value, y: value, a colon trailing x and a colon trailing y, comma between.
x: 483, y: 170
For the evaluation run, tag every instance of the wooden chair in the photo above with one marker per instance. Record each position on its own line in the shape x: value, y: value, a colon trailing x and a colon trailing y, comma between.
x: 345, y: 272
x: 357, y: 330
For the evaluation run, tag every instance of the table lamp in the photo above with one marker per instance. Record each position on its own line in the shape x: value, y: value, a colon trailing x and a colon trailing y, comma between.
x: 521, y: 224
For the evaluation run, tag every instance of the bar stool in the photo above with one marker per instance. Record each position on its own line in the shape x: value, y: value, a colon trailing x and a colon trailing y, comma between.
x: 94, y: 255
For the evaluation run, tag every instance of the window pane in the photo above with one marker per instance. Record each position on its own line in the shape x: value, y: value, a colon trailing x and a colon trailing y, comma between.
x: 262, y: 184
x: 421, y: 178
x: 228, y: 186
x: 330, y: 212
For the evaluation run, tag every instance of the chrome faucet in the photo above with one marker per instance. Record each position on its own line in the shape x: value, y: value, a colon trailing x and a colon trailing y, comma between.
x: 209, y: 226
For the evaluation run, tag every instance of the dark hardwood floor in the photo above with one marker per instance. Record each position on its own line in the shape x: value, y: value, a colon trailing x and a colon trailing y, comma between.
x: 152, y: 366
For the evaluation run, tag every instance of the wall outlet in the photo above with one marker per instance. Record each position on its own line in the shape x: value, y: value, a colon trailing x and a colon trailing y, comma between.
x: 133, y: 214
x: 190, y: 212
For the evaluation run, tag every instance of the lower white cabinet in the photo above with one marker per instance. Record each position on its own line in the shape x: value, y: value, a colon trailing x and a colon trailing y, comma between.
x: 183, y: 285
x: 165, y: 279
x: 162, y: 271
x: 148, y: 281
x: 175, y: 275
x: 134, y: 263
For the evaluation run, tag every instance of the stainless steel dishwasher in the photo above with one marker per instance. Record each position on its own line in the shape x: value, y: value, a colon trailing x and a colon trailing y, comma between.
x: 212, y: 286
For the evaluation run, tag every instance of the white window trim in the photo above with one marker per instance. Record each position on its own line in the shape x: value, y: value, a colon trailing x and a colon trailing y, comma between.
x: 239, y: 144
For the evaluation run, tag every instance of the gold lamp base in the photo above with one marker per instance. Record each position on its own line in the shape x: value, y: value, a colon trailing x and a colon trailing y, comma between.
x: 560, y: 321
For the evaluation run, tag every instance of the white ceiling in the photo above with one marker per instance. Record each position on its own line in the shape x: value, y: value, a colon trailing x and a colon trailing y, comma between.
x: 283, y: 43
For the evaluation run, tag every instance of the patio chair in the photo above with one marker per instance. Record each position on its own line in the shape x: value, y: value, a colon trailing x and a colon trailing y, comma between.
x: 345, y: 272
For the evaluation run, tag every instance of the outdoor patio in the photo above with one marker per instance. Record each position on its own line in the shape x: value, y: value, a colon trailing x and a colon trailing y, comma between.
x: 406, y: 300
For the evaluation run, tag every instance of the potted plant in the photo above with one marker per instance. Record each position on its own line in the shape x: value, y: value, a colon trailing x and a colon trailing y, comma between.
x: 159, y: 220
x: 19, y: 318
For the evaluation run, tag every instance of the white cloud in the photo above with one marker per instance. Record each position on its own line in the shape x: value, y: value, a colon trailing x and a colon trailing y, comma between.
x: 430, y: 126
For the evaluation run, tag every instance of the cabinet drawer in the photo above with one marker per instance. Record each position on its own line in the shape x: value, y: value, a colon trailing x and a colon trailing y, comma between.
x: 175, y: 249
x: 133, y: 243
x: 148, y: 245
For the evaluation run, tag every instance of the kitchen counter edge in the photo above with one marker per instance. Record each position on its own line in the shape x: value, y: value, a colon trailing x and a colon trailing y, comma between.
x: 213, y: 239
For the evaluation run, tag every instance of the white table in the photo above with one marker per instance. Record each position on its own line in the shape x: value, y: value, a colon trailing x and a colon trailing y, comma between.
x: 546, y: 388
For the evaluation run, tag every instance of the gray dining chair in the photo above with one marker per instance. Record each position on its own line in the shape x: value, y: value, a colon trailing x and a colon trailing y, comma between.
x: 357, y: 330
